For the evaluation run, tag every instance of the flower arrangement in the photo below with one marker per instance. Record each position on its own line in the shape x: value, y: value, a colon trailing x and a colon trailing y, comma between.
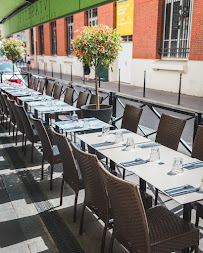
x: 13, y: 49
x: 97, y: 46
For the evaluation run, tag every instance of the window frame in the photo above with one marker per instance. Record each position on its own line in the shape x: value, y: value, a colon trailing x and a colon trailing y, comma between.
x: 54, y: 37
x: 91, y: 19
x: 41, y: 38
x: 32, y: 47
x: 70, y: 33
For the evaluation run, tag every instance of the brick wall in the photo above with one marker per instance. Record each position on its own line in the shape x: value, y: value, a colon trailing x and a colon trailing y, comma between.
x: 47, y: 39
x: 106, y: 15
x: 38, y: 39
x: 79, y: 20
x: 147, y: 31
x: 61, y: 33
x: 196, y: 41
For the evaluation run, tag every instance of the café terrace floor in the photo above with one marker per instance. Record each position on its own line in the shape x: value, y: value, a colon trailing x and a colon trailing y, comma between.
x: 31, y: 219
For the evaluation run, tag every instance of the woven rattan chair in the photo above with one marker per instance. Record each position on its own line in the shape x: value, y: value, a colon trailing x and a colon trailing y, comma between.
x: 68, y: 98
x: 131, y: 118
x: 96, y: 198
x: 3, y: 98
x: 169, y: 131
x: 197, y: 152
x: 82, y: 100
x: 157, y: 230
x: 35, y: 83
x: 30, y: 132
x: 12, y: 115
x: 49, y: 88
x: 168, y: 134
x: 50, y: 153
x: 57, y: 91
x: 30, y: 85
x: 41, y: 86
x: 70, y: 172
x: 93, y: 99
x: 19, y: 123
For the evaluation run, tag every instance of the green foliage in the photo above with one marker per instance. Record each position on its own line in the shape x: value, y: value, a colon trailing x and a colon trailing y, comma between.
x: 97, y: 45
x: 13, y: 49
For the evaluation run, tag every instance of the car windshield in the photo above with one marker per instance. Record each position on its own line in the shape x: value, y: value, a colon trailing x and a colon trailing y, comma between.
x: 7, y: 67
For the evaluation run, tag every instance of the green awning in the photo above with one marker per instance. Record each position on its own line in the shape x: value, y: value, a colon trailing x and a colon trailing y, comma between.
x: 8, y: 6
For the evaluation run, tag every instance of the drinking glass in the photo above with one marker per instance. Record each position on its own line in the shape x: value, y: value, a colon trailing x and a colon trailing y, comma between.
x: 49, y: 102
x: 74, y: 117
x: 177, y: 166
x: 119, y: 137
x: 130, y: 144
x: 105, y: 133
x: 155, y: 154
x: 59, y: 107
x: 36, y: 96
x: 86, y: 123
x: 43, y: 98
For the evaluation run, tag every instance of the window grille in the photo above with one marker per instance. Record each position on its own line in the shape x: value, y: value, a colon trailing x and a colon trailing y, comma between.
x: 127, y: 38
x: 54, y: 39
x: 69, y: 34
x: 92, y: 17
x: 32, y: 41
x: 41, y: 37
x: 177, y: 25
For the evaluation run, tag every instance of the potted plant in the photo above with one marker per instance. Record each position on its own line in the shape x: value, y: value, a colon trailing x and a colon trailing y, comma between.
x: 97, y: 46
x: 13, y: 49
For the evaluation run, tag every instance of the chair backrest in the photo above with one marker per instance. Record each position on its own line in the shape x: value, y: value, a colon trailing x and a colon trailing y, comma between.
x: 68, y: 98
x: 35, y: 83
x: 169, y: 131
x: 44, y: 138
x: 50, y: 88
x: 131, y: 118
x: 41, y: 86
x: 26, y: 122
x: 68, y: 161
x: 20, y: 125
x: 3, y: 98
x: 197, y: 149
x: 82, y: 100
x: 11, y: 112
x: 30, y: 85
x: 95, y: 192
x: 57, y: 91
x: 93, y: 99
x: 130, y: 224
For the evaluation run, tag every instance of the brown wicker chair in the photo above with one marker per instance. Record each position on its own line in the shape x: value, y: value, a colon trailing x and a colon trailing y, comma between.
x: 30, y: 85
x: 96, y: 198
x: 197, y: 152
x: 93, y: 99
x: 169, y: 131
x: 131, y: 118
x: 30, y: 133
x: 35, y: 83
x: 70, y: 172
x: 82, y: 100
x: 3, y: 99
x: 57, y: 91
x: 68, y: 98
x: 12, y: 115
x: 49, y: 88
x: 50, y: 153
x: 158, y: 230
x: 41, y: 86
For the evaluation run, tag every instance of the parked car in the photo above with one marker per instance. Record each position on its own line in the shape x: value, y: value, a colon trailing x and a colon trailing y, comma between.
x: 6, y: 71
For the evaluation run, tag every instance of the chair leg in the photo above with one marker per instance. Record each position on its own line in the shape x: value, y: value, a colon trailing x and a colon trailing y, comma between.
x: 111, y: 244
x: 61, y: 196
x: 9, y: 127
x: 197, y: 217
x: 51, y: 179
x: 103, y: 239
x: 13, y: 131
x: 75, y: 208
x: 22, y: 141
x: 42, y: 170
x: 82, y: 218
x: 16, y: 136
x: 196, y: 248
x: 25, y: 146
x: 156, y: 196
x: 32, y: 150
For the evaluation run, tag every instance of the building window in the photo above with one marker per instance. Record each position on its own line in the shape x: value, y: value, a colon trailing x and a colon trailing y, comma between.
x: 127, y: 38
x: 92, y: 17
x: 177, y: 24
x: 69, y: 34
x: 54, y: 39
x: 41, y: 38
x: 32, y: 41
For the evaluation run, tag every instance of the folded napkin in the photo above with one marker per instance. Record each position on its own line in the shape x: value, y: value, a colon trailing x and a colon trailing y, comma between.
x: 137, y: 161
x: 73, y: 128
x: 193, y: 165
x: 122, y: 131
x: 97, y: 145
x: 173, y: 192
x: 148, y: 145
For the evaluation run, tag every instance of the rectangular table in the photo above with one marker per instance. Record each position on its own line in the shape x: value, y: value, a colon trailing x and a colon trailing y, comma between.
x: 152, y: 172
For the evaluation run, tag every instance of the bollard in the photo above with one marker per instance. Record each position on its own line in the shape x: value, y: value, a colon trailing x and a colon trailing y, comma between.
x: 38, y: 68
x: 71, y: 74
x: 60, y: 72
x: 179, y: 92
x: 144, y: 88
x: 1, y: 79
x: 52, y: 74
x: 119, y: 80
x: 44, y: 68
x: 99, y: 80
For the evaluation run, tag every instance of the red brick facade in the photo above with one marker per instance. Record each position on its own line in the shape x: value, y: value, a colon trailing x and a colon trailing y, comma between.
x: 147, y: 32
x: 47, y: 39
x: 38, y: 39
x: 61, y: 36
x: 107, y: 15
x: 79, y: 20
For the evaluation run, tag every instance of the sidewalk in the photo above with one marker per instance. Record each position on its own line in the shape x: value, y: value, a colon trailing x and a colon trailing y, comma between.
x: 191, y: 102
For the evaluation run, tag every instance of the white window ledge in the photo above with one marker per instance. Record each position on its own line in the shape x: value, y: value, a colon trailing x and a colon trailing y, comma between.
x: 171, y: 65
